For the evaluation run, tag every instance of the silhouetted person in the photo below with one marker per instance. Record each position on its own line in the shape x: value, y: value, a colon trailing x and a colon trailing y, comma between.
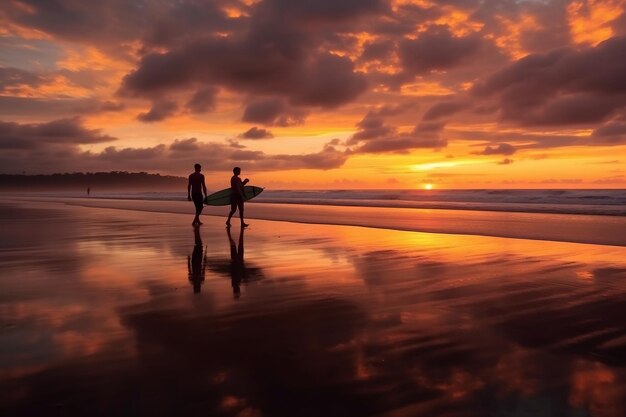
x: 236, y: 196
x: 195, y: 189
x: 196, y: 264
x: 237, y: 266
x: 88, y: 191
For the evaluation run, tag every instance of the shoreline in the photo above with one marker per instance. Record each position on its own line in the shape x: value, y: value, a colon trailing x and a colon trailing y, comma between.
x: 573, y: 228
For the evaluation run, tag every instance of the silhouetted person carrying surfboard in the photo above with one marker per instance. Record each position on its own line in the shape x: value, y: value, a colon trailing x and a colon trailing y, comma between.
x: 195, y: 188
x: 236, y: 196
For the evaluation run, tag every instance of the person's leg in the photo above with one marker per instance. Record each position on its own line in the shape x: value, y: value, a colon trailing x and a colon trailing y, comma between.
x: 240, y: 205
x: 196, y: 219
x: 233, y: 207
x: 197, y: 201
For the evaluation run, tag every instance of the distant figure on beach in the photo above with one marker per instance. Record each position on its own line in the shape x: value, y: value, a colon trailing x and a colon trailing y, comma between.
x: 237, y: 266
x: 88, y: 191
x: 236, y: 196
x: 195, y: 189
x: 196, y: 264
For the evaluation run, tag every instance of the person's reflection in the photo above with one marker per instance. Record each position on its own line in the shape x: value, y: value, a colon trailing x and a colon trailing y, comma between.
x: 196, y: 263
x: 237, y: 266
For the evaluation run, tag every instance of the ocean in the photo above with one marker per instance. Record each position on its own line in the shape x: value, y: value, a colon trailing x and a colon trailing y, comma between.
x: 596, y: 202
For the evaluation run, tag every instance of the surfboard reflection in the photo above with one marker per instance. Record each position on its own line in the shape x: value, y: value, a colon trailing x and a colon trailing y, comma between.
x: 196, y: 263
x: 236, y: 268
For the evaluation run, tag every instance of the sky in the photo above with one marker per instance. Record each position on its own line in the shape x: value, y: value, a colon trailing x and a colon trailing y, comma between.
x: 319, y: 94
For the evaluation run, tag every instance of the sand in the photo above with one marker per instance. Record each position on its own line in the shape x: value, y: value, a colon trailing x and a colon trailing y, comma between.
x: 125, y: 312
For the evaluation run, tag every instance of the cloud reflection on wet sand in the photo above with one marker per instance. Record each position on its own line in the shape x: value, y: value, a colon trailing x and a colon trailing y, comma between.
x: 99, y: 317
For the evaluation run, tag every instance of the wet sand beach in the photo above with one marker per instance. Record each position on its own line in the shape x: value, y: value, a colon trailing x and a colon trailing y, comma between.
x: 595, y: 229
x: 133, y: 313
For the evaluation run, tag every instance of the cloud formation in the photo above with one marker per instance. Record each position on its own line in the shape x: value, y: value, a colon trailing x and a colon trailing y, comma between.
x: 565, y: 86
x: 273, y: 111
x: 437, y: 49
x: 256, y: 133
x: 49, y: 146
x: 160, y: 110
x: 55, y: 134
x: 376, y: 136
x: 509, y: 76
x: 501, y: 149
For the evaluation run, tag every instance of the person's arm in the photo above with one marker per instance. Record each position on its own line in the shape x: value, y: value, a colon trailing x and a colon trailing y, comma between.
x: 204, y: 187
x: 240, y: 187
x: 189, y: 189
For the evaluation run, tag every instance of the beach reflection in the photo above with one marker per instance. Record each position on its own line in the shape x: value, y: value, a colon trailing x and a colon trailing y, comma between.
x: 196, y: 263
x: 314, y: 320
x: 235, y: 268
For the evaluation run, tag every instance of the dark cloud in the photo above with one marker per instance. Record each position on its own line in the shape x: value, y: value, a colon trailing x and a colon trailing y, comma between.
x: 370, y: 127
x: 328, y: 158
x: 430, y: 127
x: 380, y: 50
x: 444, y: 109
x: 174, y: 23
x: 267, y: 60
x: 328, y: 81
x: 501, y: 149
x: 37, y: 136
x: 549, y: 29
x: 505, y: 161
x: 203, y: 100
x: 562, y: 87
x: 108, y: 24
x: 274, y: 52
x: 273, y: 112
x: 256, y: 133
x: 437, y: 49
x: 401, y: 143
x: 15, y: 77
x: 130, y: 155
x: 373, y: 125
x: 161, y: 109
x: 374, y: 135
x: 324, y: 10
x: 185, y: 145
x: 619, y: 24
x: 405, y: 19
x: 610, y: 133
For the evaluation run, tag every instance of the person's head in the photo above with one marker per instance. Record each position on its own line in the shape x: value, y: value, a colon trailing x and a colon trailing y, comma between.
x: 236, y: 170
x: 197, y: 167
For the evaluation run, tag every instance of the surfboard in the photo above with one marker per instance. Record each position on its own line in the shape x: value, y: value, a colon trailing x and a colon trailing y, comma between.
x: 222, y: 198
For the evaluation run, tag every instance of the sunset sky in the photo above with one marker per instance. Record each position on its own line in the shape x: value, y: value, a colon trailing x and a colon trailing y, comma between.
x: 319, y: 94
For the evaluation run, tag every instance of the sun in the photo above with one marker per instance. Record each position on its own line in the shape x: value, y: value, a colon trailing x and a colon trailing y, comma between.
x: 428, y: 186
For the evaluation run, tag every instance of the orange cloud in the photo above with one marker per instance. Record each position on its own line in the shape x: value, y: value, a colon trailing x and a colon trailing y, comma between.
x: 510, y: 41
x: 589, y: 20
